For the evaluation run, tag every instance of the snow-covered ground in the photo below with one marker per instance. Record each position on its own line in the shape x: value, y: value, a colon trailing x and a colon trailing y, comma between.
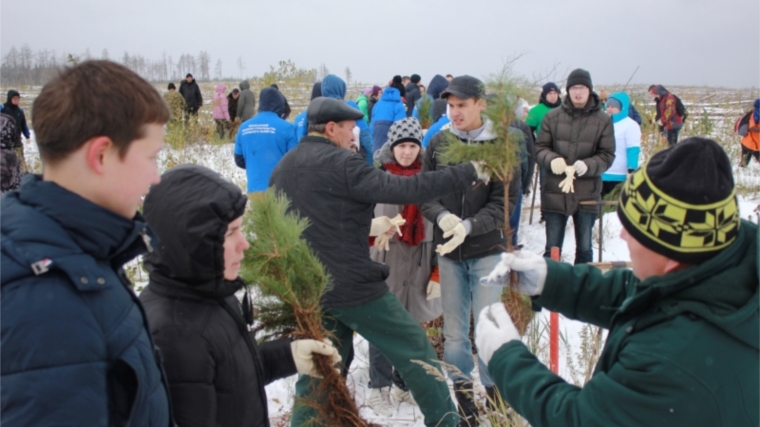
x: 532, y: 236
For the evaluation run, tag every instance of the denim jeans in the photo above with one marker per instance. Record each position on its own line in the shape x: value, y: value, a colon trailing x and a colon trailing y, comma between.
x: 514, y: 220
x: 555, y: 234
x: 462, y: 294
x: 672, y: 136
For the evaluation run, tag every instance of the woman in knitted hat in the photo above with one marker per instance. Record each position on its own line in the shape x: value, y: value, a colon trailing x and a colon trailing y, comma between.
x: 627, y: 142
x: 748, y: 127
x: 409, y: 255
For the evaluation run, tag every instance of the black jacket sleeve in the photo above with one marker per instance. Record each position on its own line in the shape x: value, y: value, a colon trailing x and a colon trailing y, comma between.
x: 371, y: 185
x: 240, y: 161
x: 276, y: 359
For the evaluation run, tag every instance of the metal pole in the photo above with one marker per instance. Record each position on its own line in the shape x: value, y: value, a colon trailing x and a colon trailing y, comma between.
x: 554, y: 329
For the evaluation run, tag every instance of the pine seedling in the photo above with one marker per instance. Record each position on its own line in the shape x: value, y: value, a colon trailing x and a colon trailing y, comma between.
x: 502, y: 160
x: 425, y: 111
x: 292, y: 281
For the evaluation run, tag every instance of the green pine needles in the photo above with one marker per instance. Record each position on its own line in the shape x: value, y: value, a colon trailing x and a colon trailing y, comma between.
x: 284, y: 268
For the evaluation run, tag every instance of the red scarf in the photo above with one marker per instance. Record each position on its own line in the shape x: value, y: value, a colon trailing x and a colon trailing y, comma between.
x: 413, y: 232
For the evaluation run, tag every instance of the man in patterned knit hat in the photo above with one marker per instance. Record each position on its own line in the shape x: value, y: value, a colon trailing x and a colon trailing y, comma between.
x: 683, y: 324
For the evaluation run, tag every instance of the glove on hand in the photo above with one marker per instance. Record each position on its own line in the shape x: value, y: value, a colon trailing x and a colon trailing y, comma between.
x: 480, y: 170
x: 434, y: 285
x: 567, y: 184
x: 558, y: 166
x: 303, y: 352
x: 580, y: 167
x: 531, y: 272
x: 382, y: 224
x: 459, y: 233
x: 495, y: 328
x: 448, y: 222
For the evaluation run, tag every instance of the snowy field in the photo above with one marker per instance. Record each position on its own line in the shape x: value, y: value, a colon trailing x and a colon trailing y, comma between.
x: 532, y: 236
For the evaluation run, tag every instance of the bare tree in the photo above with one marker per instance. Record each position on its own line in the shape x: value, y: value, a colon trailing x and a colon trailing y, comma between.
x: 348, y: 76
x: 218, y: 70
x: 204, y: 63
x: 241, y: 66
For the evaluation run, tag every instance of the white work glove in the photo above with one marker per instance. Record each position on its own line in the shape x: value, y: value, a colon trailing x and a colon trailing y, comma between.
x: 567, y: 184
x: 558, y: 166
x: 580, y: 167
x: 458, y: 233
x: 448, y: 222
x: 480, y: 170
x: 495, y: 328
x: 434, y: 285
x: 303, y: 351
x: 530, y: 268
x: 382, y: 224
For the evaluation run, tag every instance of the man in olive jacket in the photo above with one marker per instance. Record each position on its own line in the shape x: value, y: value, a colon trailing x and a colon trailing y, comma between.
x: 683, y: 340
x: 575, y: 146
x: 336, y: 190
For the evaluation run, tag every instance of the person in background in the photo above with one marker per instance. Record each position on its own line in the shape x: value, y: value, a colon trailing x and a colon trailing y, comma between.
x: 286, y: 109
x: 246, y: 103
x: 627, y: 143
x: 671, y: 113
x: 387, y: 111
x: 549, y: 99
x: 576, y: 144
x: 216, y: 370
x: 412, y: 93
x: 190, y: 90
x: 176, y: 104
x: 300, y: 120
x: 683, y: 339
x: 232, y: 103
x: 10, y: 169
x: 362, y: 102
x: 748, y: 127
x: 413, y: 271
x: 263, y: 140
x: 221, y: 114
x: 12, y: 108
x: 374, y: 96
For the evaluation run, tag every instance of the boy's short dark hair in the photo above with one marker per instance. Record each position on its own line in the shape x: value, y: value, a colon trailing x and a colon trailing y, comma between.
x: 94, y: 98
x: 171, y: 86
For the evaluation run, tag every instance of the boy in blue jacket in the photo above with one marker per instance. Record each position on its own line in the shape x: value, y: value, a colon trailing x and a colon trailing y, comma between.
x: 76, y: 348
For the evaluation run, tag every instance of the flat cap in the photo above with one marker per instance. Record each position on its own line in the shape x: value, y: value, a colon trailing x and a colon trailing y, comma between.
x: 465, y: 87
x: 322, y: 110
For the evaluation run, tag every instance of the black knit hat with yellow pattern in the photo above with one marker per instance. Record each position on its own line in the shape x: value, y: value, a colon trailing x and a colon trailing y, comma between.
x: 682, y: 203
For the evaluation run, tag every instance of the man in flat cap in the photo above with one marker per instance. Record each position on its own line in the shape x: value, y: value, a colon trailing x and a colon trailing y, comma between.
x: 336, y: 190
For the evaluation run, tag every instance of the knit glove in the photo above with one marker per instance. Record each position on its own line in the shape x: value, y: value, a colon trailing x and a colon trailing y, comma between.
x: 448, y: 222
x: 303, y: 355
x: 382, y: 224
x: 531, y: 272
x: 480, y: 170
x: 495, y: 328
x: 580, y: 167
x: 434, y: 285
x: 567, y: 184
x: 558, y: 166
x: 457, y: 234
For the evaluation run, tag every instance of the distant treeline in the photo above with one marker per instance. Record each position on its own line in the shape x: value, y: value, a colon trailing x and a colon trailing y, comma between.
x: 26, y: 67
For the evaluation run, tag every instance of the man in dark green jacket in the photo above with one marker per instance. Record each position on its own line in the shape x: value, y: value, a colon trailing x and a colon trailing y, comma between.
x: 683, y: 340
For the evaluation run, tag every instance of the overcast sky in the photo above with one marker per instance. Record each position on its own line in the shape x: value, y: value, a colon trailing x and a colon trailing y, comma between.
x: 675, y: 42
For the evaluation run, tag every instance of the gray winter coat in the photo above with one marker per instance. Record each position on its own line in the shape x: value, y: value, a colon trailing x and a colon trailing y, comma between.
x: 246, y: 102
x: 575, y: 134
x: 410, y: 265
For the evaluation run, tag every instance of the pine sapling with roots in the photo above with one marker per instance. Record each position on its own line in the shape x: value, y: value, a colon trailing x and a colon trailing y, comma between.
x: 502, y: 160
x: 291, y: 280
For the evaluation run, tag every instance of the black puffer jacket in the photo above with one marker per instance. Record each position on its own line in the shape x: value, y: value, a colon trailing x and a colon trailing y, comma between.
x: 18, y: 115
x: 337, y: 190
x: 483, y: 205
x: 575, y: 134
x: 216, y: 371
x: 192, y: 94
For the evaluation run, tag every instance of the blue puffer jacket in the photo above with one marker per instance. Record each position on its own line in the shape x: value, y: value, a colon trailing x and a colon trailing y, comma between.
x: 386, y: 111
x: 300, y: 121
x: 443, y: 121
x: 263, y: 139
x: 75, y: 343
x: 334, y: 87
